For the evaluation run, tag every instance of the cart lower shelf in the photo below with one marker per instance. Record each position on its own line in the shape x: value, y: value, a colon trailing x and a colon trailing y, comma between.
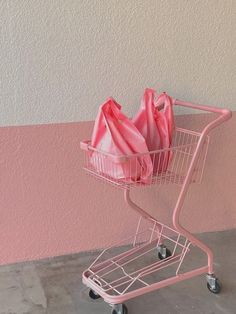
x: 151, y: 259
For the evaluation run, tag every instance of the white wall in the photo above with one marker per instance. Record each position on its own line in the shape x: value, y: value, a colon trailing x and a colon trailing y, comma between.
x: 61, y: 59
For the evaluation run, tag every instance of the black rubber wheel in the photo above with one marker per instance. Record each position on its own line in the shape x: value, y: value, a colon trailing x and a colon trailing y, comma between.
x: 124, y: 310
x: 168, y: 254
x: 93, y: 295
x: 217, y: 288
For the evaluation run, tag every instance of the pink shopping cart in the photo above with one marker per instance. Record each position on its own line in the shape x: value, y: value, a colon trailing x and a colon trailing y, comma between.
x: 153, y: 256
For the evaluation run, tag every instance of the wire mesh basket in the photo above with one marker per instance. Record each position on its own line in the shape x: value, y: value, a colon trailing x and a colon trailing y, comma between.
x: 169, y: 165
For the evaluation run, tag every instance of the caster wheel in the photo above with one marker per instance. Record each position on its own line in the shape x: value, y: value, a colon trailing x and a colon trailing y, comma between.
x: 164, y: 253
x: 121, y: 309
x: 216, y: 288
x: 93, y: 295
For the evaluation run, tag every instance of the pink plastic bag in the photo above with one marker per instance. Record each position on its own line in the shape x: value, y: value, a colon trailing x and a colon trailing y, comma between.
x: 114, y: 133
x: 156, y: 126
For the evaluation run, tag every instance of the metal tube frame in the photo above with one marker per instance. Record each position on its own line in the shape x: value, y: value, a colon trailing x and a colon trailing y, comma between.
x: 117, y: 299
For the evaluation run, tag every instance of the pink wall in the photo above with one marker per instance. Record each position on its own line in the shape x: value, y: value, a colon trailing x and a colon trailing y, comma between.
x: 50, y: 207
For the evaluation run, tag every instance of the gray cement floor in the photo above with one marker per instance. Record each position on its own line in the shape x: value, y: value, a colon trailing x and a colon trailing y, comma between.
x: 54, y: 286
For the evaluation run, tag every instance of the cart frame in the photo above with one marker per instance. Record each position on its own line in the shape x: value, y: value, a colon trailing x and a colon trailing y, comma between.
x: 117, y: 300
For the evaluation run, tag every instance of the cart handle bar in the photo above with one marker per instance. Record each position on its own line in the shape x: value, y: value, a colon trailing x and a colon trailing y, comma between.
x: 225, y: 114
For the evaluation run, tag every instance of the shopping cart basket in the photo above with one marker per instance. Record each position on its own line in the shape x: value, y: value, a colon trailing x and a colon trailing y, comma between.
x: 120, y: 274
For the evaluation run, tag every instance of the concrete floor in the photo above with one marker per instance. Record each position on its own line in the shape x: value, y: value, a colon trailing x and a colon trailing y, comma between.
x: 54, y: 286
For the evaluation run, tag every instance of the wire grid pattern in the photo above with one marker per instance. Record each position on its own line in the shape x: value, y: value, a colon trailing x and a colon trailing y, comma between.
x: 170, y: 165
x: 116, y: 274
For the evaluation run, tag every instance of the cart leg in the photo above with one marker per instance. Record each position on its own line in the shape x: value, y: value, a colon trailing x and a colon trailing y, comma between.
x: 142, y: 213
x: 119, y: 309
x: 163, y: 251
x: 189, y: 235
x: 196, y: 242
x: 135, y: 206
